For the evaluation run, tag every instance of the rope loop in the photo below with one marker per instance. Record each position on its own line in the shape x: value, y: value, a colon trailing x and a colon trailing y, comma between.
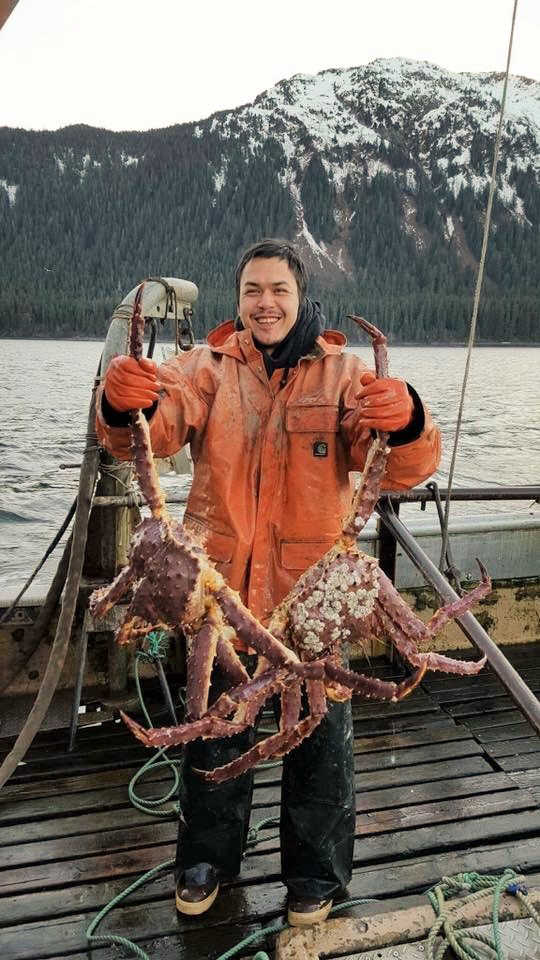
x: 462, y: 942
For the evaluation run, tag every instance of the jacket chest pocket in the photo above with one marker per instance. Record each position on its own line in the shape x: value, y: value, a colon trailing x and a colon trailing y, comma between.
x: 312, y: 431
x: 305, y: 418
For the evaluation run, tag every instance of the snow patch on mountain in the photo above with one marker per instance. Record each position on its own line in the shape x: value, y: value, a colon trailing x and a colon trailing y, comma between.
x: 220, y: 177
x: 319, y: 253
x: 11, y: 190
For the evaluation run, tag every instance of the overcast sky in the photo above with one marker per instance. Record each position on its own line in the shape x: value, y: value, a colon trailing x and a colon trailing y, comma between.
x: 138, y: 64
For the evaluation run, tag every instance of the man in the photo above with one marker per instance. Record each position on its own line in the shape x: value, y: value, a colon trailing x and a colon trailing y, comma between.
x: 277, y: 415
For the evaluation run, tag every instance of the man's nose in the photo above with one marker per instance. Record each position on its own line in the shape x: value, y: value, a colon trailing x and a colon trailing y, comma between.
x: 266, y: 298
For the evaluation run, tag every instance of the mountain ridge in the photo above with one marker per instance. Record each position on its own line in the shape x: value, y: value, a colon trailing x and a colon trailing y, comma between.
x: 379, y: 172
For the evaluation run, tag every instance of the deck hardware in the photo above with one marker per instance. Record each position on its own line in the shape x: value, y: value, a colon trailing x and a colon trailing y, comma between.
x: 524, y: 698
x: 451, y: 573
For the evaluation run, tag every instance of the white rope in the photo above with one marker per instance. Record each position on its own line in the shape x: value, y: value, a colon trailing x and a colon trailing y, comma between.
x: 479, y: 280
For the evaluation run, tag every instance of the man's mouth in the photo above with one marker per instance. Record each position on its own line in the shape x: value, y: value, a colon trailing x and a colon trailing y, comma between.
x: 266, y: 321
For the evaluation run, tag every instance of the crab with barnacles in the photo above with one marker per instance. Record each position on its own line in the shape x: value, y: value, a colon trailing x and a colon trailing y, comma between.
x: 344, y: 595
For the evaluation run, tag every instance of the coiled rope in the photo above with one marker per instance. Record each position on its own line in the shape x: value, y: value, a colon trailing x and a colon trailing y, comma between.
x: 156, y: 650
x: 463, y: 942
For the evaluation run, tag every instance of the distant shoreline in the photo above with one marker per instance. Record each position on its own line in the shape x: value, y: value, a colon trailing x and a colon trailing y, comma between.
x: 392, y: 343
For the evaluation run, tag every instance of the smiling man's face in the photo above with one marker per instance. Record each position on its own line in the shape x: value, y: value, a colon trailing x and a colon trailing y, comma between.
x: 269, y: 301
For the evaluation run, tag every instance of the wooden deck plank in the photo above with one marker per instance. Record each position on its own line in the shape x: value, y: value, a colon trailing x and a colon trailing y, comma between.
x: 528, y: 667
x: 505, y: 731
x: 474, y: 691
x: 37, y: 817
x: 126, y: 850
x: 411, y: 843
x: 469, y: 766
x: 47, y: 904
x: 400, y: 798
x: 429, y: 803
x: 526, y: 761
x: 122, y: 813
x: 42, y: 851
x: 366, y: 762
x: 473, y: 708
x: 259, y: 902
x: 17, y: 804
x: 510, y: 748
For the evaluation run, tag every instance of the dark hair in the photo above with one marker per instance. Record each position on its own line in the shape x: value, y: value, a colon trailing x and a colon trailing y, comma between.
x: 281, y: 249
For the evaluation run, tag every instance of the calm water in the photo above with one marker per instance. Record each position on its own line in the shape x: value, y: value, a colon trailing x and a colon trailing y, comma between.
x: 45, y: 392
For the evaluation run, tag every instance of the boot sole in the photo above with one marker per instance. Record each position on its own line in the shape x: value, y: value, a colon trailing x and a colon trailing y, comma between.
x: 195, y: 908
x: 301, y: 919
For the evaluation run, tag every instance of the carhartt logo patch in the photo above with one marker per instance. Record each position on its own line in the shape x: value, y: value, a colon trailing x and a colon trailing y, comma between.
x: 320, y: 449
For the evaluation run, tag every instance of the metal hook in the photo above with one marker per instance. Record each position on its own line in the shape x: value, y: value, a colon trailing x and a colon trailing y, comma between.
x: 451, y: 571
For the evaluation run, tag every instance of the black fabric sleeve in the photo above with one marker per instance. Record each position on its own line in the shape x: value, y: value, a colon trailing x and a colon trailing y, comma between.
x: 116, y: 418
x: 413, y: 430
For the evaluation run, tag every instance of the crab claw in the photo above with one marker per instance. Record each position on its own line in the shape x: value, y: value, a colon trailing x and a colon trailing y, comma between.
x: 484, y: 575
x: 136, y: 729
x: 465, y: 668
x: 208, y: 728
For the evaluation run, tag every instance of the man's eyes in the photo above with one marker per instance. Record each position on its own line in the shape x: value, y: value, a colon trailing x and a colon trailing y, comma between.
x: 253, y: 290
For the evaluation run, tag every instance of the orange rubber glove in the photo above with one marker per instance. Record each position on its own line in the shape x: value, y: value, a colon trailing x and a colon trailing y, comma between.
x: 130, y: 384
x: 383, y: 404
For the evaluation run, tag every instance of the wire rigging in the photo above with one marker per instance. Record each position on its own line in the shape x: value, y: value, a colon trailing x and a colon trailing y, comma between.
x: 478, y: 288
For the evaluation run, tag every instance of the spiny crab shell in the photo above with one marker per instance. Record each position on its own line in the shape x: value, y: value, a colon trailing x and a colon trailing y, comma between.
x: 335, y: 607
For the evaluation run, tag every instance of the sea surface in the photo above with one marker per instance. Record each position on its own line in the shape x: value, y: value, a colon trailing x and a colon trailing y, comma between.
x: 45, y: 393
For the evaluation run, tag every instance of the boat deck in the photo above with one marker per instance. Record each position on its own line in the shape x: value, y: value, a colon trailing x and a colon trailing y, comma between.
x: 447, y: 781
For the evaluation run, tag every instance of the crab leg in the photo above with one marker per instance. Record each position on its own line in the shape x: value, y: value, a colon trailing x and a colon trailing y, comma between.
x: 103, y: 599
x: 214, y: 723
x: 291, y: 701
x: 229, y: 661
x: 200, y: 659
x: 369, y: 488
x: 206, y: 727
x: 252, y: 632
x: 370, y: 687
x: 276, y: 745
x: 408, y: 649
x: 459, y: 606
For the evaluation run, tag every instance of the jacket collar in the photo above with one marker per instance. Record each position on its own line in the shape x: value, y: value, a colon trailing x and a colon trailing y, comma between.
x: 239, y: 343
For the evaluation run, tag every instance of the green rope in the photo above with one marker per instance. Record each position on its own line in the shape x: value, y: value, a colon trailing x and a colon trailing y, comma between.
x: 113, y: 938
x: 159, y: 758
x: 276, y: 927
x: 463, y: 942
x: 157, y: 648
x: 253, y: 832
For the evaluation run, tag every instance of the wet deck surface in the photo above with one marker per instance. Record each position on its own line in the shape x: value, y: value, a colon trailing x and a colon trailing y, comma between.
x: 447, y: 781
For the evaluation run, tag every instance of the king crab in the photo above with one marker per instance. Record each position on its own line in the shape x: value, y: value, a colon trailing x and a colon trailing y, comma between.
x: 345, y: 594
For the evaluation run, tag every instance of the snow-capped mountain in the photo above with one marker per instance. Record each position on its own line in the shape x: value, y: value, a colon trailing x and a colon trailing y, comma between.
x: 407, y: 119
x: 379, y: 172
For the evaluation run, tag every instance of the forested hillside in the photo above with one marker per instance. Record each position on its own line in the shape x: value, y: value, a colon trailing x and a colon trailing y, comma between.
x: 380, y: 173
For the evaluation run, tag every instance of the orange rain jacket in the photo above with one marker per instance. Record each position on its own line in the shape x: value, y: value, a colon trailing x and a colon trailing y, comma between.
x: 271, y: 483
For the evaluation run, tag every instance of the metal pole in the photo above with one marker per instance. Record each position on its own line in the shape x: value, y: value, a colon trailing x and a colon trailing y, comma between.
x: 524, y: 698
x: 82, y: 647
x: 166, y: 690
x: 416, y: 495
